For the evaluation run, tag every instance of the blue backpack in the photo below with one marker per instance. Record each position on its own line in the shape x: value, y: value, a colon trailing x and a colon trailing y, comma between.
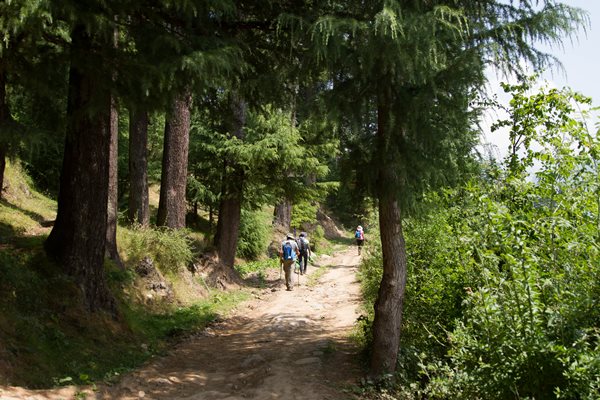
x: 287, y: 251
x: 357, y: 234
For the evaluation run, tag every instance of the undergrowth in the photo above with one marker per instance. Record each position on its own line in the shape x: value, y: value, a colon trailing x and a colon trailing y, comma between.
x: 257, y: 267
x: 47, y: 338
x: 170, y: 249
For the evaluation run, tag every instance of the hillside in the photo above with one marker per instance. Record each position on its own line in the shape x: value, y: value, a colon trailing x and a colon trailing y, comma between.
x: 47, y: 339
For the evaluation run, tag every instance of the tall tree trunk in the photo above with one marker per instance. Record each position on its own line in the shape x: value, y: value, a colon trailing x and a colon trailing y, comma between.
x: 112, y: 214
x: 390, y: 298
x: 78, y: 237
x: 230, y: 209
x: 388, y: 307
x: 228, y: 224
x: 172, y: 206
x: 5, y: 119
x: 283, y: 214
x: 2, y: 166
x: 111, y: 249
x: 139, y: 208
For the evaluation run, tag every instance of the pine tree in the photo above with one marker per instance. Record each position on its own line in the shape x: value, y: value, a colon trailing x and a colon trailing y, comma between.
x: 78, y: 237
x: 172, y: 205
x: 112, y: 215
x: 232, y: 189
x: 139, y: 207
x: 414, y: 64
x: 5, y: 120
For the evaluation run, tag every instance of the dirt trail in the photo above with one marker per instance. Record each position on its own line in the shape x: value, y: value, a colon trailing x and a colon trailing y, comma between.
x: 281, y: 345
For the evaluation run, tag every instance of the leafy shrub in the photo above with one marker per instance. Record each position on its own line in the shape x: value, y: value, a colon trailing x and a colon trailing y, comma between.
x: 502, y: 291
x: 258, y: 267
x: 304, y: 213
x: 253, y: 237
x: 169, y: 248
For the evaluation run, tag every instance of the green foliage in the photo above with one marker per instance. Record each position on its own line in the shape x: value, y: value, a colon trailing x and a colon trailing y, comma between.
x: 532, y: 317
x: 39, y: 306
x: 257, y: 267
x: 370, y: 277
x: 254, y: 235
x: 173, y: 323
x: 318, y: 234
x: 170, y: 249
x: 48, y: 337
x: 304, y: 213
x: 23, y: 207
x: 502, y: 293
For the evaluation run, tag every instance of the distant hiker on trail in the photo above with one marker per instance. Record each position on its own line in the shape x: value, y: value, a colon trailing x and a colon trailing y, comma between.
x: 359, y: 235
x: 288, y: 253
x: 304, y: 247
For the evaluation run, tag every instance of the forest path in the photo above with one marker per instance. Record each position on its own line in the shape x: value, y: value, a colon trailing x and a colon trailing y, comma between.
x: 279, y: 345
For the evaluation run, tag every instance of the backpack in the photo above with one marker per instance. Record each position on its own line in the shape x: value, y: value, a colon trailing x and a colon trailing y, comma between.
x: 303, y: 244
x: 358, y: 234
x: 287, y: 251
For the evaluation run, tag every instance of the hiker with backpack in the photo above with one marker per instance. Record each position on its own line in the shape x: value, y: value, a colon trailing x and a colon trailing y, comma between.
x: 288, y: 253
x: 304, y: 255
x: 359, y: 235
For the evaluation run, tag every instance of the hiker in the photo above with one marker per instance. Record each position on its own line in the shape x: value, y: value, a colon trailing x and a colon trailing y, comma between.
x: 288, y: 253
x: 304, y: 248
x: 360, y: 238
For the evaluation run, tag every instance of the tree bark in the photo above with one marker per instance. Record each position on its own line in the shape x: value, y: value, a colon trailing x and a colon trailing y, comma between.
x: 112, y: 214
x: 390, y: 298
x: 5, y: 119
x: 230, y: 208
x: 2, y: 167
x: 228, y: 226
x: 283, y: 214
x: 139, y: 206
x: 172, y: 205
x: 78, y: 237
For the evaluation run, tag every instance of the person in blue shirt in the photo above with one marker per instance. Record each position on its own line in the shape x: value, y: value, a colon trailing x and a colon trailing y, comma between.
x: 288, y: 254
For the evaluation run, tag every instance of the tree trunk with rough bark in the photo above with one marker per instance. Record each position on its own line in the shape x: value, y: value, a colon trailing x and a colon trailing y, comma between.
x: 5, y: 119
x: 2, y: 167
x: 390, y: 298
x: 283, y: 214
x: 228, y: 225
x: 78, y: 237
x: 139, y: 206
x: 112, y: 214
x: 172, y: 205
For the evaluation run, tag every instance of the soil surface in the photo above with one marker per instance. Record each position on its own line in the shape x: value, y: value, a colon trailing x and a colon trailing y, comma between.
x: 279, y: 345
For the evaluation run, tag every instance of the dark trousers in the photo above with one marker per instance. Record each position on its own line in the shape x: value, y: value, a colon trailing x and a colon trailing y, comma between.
x: 303, y: 259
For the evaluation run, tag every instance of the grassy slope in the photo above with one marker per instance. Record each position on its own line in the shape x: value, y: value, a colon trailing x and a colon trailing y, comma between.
x: 45, y: 338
